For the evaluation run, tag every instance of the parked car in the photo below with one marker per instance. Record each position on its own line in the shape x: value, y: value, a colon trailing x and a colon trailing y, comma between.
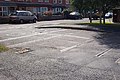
x: 96, y: 15
x: 22, y: 16
x: 75, y: 15
x: 109, y: 15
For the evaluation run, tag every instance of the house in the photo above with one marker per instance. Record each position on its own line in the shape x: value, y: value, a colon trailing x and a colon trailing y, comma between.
x: 35, y: 6
x: 116, y: 15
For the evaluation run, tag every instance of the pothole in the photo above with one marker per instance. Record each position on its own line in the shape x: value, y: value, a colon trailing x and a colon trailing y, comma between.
x: 21, y: 50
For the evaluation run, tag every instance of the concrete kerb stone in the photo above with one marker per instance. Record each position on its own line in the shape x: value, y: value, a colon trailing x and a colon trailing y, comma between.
x: 76, y: 27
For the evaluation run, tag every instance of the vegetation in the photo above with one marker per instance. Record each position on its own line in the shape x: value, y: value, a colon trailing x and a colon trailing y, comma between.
x: 107, y: 26
x: 102, y: 6
x: 3, y: 48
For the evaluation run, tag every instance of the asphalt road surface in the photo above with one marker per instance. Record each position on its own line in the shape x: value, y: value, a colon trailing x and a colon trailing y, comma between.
x: 58, y: 53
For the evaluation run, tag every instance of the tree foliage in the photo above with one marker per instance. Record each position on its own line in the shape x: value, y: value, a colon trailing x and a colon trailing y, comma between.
x: 102, y: 5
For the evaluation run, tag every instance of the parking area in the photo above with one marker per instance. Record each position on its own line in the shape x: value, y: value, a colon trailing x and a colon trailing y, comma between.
x: 58, y: 53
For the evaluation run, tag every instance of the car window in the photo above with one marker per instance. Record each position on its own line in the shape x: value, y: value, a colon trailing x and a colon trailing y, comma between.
x: 30, y: 13
x: 23, y: 14
x: 13, y: 13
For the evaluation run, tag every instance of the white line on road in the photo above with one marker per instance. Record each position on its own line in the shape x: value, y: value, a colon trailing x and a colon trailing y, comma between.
x: 74, y: 46
x: 68, y: 48
x: 117, y: 61
x: 33, y: 41
x: 103, y: 52
x: 77, y: 37
x: 29, y: 35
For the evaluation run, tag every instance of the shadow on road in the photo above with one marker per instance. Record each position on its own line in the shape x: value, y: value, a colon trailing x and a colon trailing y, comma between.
x: 108, y: 34
x: 110, y: 37
x: 112, y: 40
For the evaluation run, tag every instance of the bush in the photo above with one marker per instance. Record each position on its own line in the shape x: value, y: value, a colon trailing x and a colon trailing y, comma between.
x: 4, y: 19
x: 48, y: 13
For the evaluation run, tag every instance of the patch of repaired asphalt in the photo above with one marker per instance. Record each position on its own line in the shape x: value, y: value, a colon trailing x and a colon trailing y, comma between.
x: 20, y: 50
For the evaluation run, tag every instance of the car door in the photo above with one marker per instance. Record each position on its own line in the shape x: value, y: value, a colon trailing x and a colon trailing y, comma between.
x: 31, y: 16
x: 23, y: 16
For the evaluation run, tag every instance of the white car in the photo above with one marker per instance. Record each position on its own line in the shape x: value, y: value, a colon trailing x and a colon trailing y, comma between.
x: 109, y: 15
x: 22, y: 16
x: 75, y: 15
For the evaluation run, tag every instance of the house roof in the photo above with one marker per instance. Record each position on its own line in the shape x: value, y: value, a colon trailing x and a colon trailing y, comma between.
x: 24, y: 4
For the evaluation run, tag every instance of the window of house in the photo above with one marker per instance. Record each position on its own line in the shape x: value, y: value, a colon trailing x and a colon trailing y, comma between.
x: 60, y: 1
x: 40, y: 0
x: 28, y: 0
x: 3, y: 11
x: 7, y: 0
x: 42, y: 9
x: 54, y: 1
x: 46, y: 0
x: 56, y: 10
x: 20, y: 0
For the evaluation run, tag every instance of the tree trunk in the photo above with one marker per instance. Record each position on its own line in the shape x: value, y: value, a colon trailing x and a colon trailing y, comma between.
x: 90, y: 16
x: 104, y: 17
x: 104, y: 11
x: 100, y: 19
x: 100, y: 14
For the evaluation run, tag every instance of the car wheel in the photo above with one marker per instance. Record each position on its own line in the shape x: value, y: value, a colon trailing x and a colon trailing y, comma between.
x: 21, y: 21
x: 34, y: 20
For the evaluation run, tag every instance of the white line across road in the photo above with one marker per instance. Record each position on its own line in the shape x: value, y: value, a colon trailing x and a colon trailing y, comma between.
x: 30, y: 35
x: 33, y: 41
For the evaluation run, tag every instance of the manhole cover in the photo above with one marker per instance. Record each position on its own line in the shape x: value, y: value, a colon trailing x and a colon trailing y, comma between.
x: 21, y: 50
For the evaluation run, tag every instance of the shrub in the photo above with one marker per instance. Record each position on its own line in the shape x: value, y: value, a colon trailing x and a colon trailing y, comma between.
x: 48, y: 13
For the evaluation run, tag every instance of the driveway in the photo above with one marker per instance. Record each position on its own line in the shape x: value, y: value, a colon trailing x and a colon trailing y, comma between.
x: 38, y: 52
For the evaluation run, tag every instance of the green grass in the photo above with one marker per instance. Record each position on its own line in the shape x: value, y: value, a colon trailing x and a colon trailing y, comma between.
x: 109, y: 25
x: 3, y: 48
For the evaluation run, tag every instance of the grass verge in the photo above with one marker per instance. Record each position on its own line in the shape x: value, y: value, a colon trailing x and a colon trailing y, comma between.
x: 3, y: 48
x: 98, y: 25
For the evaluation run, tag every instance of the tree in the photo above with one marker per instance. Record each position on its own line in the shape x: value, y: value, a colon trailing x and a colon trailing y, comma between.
x: 107, y: 5
x: 102, y: 5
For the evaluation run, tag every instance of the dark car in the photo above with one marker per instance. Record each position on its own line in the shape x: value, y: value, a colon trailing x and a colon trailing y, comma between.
x: 22, y: 16
x: 75, y: 15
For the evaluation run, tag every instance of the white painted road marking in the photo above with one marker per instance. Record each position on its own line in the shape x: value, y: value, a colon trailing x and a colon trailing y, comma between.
x: 117, y: 61
x: 68, y: 48
x: 33, y: 41
x: 103, y: 52
x: 77, y: 37
x: 74, y: 46
x: 29, y: 35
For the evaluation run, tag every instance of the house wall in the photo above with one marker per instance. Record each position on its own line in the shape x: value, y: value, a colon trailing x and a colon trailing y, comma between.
x: 37, y: 6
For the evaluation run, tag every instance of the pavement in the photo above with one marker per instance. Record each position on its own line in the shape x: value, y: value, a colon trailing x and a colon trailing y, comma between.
x: 73, y: 26
x: 42, y: 51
